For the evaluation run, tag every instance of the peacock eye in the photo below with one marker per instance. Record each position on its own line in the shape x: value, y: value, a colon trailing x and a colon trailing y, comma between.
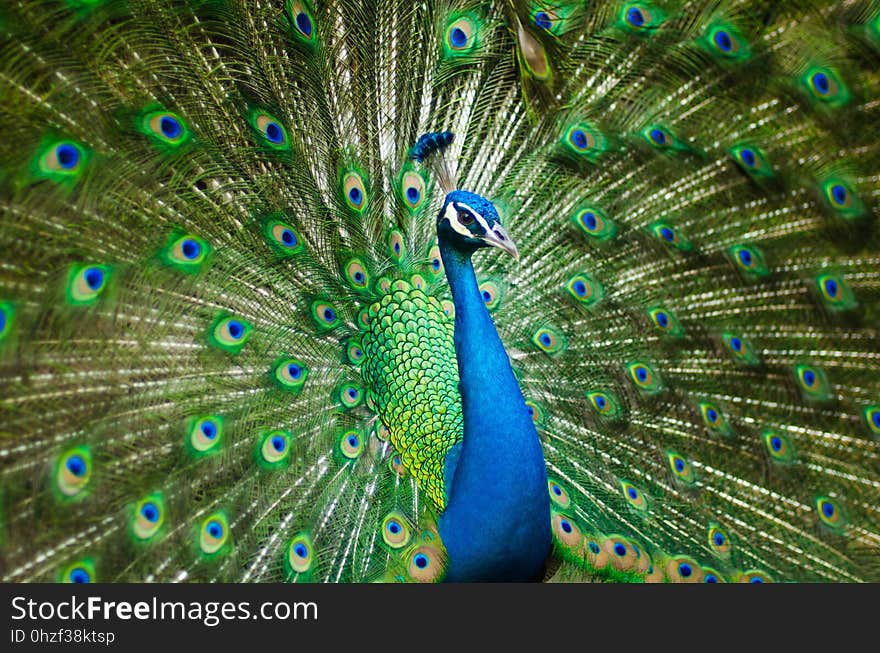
x: 465, y: 218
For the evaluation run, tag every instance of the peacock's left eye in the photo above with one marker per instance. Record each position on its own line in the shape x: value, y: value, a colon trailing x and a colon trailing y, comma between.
x: 465, y: 218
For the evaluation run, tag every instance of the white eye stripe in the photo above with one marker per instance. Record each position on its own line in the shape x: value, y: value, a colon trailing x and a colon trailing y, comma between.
x: 452, y: 215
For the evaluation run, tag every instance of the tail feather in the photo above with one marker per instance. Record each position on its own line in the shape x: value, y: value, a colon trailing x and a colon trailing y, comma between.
x: 190, y: 192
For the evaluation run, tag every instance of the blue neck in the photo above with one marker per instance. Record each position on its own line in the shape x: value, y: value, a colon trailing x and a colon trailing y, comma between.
x: 496, y: 525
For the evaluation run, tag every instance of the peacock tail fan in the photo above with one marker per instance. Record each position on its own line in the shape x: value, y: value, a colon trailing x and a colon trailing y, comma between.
x: 226, y: 339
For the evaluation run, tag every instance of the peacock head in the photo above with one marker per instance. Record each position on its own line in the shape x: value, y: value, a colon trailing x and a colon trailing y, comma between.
x: 469, y: 221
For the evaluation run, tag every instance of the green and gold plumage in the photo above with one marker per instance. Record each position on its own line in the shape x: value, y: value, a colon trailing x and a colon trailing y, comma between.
x: 411, y: 370
x: 226, y: 334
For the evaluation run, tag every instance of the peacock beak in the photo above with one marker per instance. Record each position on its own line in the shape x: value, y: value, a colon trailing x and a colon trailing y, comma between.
x: 498, y: 237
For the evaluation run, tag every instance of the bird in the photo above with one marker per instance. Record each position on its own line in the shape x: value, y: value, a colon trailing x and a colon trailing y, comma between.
x: 444, y: 291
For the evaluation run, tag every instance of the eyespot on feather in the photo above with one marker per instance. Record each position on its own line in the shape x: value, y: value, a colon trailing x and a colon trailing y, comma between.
x: 86, y: 283
x: 549, y: 341
x: 354, y: 192
x: 351, y: 445
x: 634, y: 497
x: 681, y: 468
x: 186, y: 252
x: 282, y: 237
x: 148, y: 517
x: 204, y: 434
x: 302, y: 22
x: 229, y: 333
x: 270, y: 131
x: 604, y: 403
x: 778, y: 446
x: 461, y: 36
x: 165, y: 129
x: 61, y: 161
x: 325, y: 315
x: 300, y: 558
x: 79, y: 572
x: 396, y: 531
x: 682, y: 569
x: 830, y: 513
x: 73, y: 472
x: 621, y: 553
x: 644, y: 377
x: 273, y: 449
x: 558, y: 494
x: 213, y: 534
x: 594, y: 223
x: 412, y: 190
x: 670, y: 236
x: 426, y: 564
x: 719, y: 541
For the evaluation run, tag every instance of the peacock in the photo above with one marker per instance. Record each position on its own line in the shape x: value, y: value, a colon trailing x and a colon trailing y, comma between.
x: 447, y: 290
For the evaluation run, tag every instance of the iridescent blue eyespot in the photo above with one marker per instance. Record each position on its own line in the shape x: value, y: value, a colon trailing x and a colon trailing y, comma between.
x: 67, y: 155
x: 635, y: 17
x: 94, y: 278
x: 274, y: 132
x: 820, y: 83
x: 170, y: 126
x: 542, y: 20
x: 304, y: 23
x: 190, y: 248
x: 76, y: 465
x: 658, y: 136
x: 79, y: 575
x: 830, y: 513
x: 619, y: 549
x: 723, y: 41
x: 748, y: 157
x: 235, y: 329
x: 150, y: 512
x: 831, y: 287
